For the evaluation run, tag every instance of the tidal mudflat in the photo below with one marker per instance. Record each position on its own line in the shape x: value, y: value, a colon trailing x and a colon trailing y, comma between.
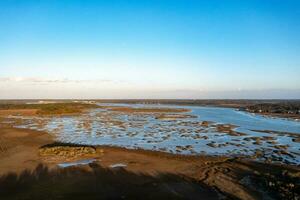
x: 190, y: 130
x: 133, y: 150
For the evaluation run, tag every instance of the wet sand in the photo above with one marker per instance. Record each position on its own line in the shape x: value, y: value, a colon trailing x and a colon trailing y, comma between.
x: 157, y: 174
x: 174, y: 132
x: 18, y: 149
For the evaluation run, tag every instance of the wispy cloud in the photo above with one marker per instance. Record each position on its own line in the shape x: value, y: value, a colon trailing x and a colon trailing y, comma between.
x: 49, y: 81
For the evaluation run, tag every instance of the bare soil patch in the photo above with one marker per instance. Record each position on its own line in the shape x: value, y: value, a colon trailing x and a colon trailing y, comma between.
x: 21, y: 112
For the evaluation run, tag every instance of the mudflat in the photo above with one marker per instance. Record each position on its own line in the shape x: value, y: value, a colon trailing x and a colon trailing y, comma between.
x: 37, y: 165
x: 19, y: 149
x: 116, y: 172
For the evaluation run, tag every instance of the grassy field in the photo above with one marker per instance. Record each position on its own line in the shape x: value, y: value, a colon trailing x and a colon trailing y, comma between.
x: 52, y: 108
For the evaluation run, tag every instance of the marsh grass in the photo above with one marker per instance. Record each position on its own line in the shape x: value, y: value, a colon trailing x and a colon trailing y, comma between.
x: 52, y: 108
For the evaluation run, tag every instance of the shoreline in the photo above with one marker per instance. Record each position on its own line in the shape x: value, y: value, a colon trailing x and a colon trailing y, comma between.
x: 200, y: 127
x: 244, y: 105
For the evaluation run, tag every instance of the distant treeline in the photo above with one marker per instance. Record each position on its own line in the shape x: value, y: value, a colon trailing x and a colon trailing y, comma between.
x: 202, y: 102
x: 280, y: 108
x: 256, y: 106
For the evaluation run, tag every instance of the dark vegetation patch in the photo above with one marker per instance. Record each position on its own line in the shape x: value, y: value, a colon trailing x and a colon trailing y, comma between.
x: 65, y: 144
x: 277, y: 108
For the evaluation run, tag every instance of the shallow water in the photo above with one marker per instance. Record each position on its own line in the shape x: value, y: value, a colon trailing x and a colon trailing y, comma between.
x: 75, y: 163
x: 118, y: 165
x: 182, y: 136
x: 245, y: 120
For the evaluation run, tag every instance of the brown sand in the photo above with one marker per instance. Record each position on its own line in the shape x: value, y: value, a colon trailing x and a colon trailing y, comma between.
x: 215, y: 176
x: 18, y: 112
x: 19, y: 149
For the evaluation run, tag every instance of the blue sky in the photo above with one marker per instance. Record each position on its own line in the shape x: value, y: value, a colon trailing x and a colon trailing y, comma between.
x: 150, y: 49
